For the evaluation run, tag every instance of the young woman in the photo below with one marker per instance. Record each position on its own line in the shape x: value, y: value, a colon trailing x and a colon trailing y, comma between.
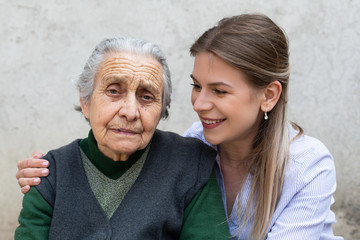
x: 276, y: 182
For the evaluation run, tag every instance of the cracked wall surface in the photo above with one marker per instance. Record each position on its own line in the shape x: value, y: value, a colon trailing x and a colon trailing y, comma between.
x: 44, y: 45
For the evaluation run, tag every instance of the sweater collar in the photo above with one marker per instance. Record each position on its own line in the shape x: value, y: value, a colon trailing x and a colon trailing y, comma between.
x: 112, y: 169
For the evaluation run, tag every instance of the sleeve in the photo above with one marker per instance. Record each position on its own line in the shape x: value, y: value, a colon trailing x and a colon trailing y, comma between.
x: 204, y: 217
x: 307, y: 214
x: 197, y: 131
x: 35, y: 217
x: 194, y: 131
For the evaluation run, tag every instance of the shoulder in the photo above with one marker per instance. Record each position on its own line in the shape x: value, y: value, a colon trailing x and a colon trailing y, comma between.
x: 305, y: 149
x: 188, y: 159
x: 310, y: 160
x: 59, y: 158
x: 66, y: 149
x: 184, y: 152
x: 306, y: 197
x: 175, y: 140
x: 196, y: 130
x: 63, y: 155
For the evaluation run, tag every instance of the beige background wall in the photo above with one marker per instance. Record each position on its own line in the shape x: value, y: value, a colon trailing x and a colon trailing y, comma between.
x: 44, y: 45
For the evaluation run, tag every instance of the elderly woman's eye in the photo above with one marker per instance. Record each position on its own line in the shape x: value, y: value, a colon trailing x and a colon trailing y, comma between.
x: 111, y: 91
x: 147, y: 97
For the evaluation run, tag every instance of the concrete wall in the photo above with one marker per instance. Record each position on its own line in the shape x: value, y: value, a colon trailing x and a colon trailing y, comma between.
x: 44, y: 45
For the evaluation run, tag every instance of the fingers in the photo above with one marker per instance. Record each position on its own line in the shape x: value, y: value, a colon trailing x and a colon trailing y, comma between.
x: 30, y: 170
x: 37, y: 154
x: 30, y: 177
x: 25, y: 189
x: 32, y: 173
x: 32, y: 163
x: 27, y: 182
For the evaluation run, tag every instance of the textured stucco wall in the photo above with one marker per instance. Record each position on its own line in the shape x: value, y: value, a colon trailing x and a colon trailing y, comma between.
x: 44, y: 45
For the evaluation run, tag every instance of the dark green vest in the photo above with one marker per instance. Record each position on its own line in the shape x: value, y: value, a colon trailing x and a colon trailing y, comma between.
x: 176, y: 168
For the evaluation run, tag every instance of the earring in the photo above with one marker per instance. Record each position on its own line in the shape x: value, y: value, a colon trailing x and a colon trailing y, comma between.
x: 266, y: 116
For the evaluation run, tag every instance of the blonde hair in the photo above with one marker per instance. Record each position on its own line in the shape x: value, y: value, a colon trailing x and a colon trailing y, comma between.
x: 255, y: 45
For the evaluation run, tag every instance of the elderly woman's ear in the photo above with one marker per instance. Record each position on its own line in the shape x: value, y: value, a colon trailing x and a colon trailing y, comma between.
x: 84, y: 108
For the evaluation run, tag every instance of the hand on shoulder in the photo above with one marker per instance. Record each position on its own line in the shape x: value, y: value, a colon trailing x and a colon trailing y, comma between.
x: 30, y: 170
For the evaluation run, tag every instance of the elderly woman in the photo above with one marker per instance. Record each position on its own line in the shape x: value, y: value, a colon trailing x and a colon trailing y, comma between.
x: 126, y: 180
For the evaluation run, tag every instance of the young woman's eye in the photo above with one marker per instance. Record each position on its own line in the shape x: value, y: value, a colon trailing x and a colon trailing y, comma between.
x: 195, y: 86
x: 219, y: 92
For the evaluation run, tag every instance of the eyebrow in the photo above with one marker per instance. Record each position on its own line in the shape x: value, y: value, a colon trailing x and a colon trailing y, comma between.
x: 193, y: 78
x: 115, y: 79
x: 150, y: 87
x: 123, y: 79
x: 213, y: 83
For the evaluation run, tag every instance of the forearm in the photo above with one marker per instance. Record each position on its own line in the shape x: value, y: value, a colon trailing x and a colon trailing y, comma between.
x: 35, y: 217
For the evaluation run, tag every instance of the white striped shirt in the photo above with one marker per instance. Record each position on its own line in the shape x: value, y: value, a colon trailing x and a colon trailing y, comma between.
x: 303, y: 210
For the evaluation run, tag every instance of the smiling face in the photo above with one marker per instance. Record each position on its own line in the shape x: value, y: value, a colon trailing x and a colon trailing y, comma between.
x: 228, y: 107
x: 125, y: 106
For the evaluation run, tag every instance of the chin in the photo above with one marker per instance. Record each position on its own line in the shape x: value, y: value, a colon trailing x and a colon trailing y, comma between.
x: 128, y: 150
x: 125, y: 149
x: 212, y: 141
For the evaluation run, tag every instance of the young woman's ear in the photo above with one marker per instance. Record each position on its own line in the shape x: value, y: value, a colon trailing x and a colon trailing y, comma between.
x: 271, y: 96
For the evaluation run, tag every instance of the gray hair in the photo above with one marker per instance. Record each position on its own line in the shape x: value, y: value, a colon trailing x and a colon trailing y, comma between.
x: 85, y: 82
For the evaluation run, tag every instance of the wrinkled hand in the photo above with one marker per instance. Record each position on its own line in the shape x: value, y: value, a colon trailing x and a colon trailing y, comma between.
x: 30, y: 170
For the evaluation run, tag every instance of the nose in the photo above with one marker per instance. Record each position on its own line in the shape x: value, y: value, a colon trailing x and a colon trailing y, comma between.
x: 130, y: 108
x: 201, y: 101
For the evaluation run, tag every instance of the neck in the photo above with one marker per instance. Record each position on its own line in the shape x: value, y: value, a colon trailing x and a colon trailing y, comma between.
x: 234, y: 169
x: 234, y: 154
x: 113, y: 155
x: 109, y: 167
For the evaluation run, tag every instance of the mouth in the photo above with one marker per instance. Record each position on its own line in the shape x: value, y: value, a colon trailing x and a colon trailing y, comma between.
x: 124, y: 131
x: 211, y: 123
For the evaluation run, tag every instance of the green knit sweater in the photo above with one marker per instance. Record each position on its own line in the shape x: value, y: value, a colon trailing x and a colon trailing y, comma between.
x: 204, y: 217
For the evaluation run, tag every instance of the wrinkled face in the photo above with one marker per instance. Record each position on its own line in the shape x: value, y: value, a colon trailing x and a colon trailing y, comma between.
x: 226, y: 104
x: 125, y: 106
